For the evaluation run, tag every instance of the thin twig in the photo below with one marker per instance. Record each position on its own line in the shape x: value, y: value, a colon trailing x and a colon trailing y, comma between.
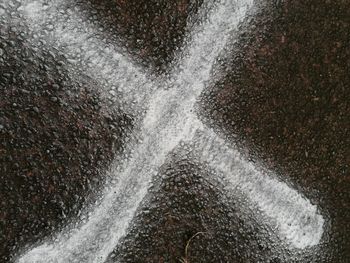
x: 185, y: 259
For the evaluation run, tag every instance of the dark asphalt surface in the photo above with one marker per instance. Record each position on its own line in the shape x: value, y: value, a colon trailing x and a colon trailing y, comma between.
x: 285, y: 98
x: 56, y: 138
x: 288, y: 100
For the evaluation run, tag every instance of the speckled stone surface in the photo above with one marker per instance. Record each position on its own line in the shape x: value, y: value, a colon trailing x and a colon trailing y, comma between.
x: 56, y: 139
x: 285, y: 99
x: 188, y: 216
x: 152, y: 30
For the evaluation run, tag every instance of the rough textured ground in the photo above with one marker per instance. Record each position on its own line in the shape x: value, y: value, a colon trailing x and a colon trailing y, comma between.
x: 151, y: 30
x: 56, y: 138
x: 286, y: 97
x: 189, y: 217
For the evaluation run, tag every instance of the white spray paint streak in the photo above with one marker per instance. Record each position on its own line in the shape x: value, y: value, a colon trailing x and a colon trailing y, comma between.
x: 299, y: 222
x: 71, y: 33
x: 168, y: 121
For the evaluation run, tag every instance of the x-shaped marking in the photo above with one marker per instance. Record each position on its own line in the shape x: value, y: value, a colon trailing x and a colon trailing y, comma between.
x: 170, y: 119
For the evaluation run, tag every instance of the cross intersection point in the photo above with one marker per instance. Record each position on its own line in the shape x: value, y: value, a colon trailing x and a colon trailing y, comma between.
x: 169, y: 120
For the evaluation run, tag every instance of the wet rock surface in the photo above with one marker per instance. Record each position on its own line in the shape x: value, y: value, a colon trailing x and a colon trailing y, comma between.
x: 285, y: 96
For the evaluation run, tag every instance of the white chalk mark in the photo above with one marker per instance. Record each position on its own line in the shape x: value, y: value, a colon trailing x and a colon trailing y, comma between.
x: 65, y: 29
x: 298, y: 221
x: 169, y: 120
